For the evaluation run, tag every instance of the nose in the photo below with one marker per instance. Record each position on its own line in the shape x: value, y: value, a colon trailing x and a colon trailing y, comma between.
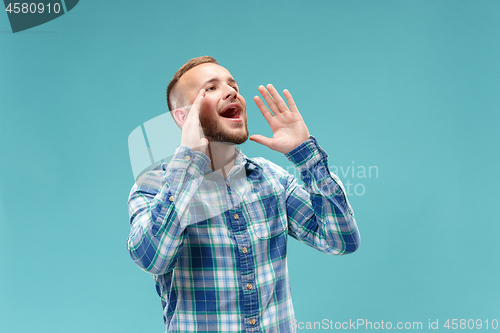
x: 230, y: 93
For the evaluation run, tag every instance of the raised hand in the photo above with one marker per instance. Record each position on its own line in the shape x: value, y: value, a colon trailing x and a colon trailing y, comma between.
x: 192, y: 133
x: 289, y: 129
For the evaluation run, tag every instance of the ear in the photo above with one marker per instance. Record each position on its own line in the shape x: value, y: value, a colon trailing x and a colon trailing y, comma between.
x: 180, y: 116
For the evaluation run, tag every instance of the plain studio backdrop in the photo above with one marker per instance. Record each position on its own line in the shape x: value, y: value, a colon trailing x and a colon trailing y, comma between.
x: 403, y: 95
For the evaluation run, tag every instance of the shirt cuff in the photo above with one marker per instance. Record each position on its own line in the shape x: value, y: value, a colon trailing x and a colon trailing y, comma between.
x: 195, y: 162
x: 307, y: 154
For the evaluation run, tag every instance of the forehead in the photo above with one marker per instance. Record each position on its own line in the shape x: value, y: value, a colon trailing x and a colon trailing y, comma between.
x: 197, y: 76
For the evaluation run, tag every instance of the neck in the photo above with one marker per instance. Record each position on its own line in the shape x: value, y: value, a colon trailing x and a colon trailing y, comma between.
x: 222, y: 157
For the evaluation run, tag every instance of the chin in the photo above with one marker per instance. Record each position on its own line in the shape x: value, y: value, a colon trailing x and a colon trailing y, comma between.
x: 240, y: 140
x: 233, y: 138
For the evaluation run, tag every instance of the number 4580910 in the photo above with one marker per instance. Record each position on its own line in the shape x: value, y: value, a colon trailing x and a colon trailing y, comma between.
x: 470, y: 324
x: 32, y: 8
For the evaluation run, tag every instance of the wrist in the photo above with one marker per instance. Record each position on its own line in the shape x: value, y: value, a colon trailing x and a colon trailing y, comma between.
x: 297, y: 144
x: 200, y: 145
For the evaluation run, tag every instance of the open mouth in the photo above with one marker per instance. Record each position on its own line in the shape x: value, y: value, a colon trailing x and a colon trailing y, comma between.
x: 232, y: 112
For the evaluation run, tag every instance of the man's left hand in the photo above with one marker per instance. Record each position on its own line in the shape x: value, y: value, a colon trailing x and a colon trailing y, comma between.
x: 289, y: 129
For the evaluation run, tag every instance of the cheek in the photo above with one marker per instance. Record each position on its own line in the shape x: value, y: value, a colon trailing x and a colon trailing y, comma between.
x: 209, y: 107
x: 243, y: 102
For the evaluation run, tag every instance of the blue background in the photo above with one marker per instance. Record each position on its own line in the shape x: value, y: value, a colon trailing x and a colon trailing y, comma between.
x: 411, y: 87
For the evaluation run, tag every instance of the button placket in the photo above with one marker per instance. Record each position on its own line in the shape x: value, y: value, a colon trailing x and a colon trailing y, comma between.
x: 239, y: 227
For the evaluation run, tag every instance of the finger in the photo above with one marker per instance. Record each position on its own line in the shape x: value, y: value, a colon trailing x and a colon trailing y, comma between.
x: 262, y: 140
x: 269, y: 100
x: 277, y: 98
x: 200, y: 129
x: 198, y: 100
x: 262, y: 107
x: 291, y: 103
x: 193, y: 115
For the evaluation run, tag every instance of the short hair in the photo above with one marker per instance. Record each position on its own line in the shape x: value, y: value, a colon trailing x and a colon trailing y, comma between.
x: 187, y: 66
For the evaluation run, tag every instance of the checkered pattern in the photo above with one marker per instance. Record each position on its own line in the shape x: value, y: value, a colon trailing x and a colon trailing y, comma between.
x: 217, y: 247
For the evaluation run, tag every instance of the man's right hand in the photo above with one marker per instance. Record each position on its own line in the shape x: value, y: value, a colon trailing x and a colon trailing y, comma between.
x: 192, y: 133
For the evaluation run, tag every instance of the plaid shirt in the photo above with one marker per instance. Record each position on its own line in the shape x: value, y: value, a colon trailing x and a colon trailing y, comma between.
x: 217, y: 248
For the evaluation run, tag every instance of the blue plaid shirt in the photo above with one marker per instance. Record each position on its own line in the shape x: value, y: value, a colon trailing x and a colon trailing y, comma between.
x: 217, y: 248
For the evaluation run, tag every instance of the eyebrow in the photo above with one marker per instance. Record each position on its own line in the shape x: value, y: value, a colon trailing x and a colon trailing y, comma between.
x: 230, y: 80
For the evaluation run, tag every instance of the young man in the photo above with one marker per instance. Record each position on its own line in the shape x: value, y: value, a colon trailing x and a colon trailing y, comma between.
x: 212, y: 224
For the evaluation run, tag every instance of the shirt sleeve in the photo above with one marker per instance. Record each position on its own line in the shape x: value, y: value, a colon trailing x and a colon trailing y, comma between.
x: 157, y: 205
x: 319, y: 213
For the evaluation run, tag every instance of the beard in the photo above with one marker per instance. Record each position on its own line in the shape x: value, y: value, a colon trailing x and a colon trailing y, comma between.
x: 213, y: 131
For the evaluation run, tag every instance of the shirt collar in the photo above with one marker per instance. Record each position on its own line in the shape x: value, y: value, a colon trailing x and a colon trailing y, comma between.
x: 242, y: 160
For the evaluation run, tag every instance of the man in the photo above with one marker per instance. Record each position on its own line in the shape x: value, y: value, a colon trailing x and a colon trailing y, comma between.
x: 212, y: 224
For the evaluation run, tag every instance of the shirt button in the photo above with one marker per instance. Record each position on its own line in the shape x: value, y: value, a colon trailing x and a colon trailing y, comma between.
x: 249, y: 286
x: 187, y: 158
x: 252, y: 321
x: 227, y: 184
x: 244, y: 250
x: 171, y: 198
x: 236, y: 217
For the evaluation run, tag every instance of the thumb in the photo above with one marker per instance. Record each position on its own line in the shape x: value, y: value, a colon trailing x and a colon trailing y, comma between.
x: 262, y: 140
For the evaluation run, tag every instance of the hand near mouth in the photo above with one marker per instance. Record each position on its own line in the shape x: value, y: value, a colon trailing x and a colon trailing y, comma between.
x: 289, y: 129
x: 192, y: 133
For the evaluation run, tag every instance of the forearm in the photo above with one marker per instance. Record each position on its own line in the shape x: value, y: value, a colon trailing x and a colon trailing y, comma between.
x: 325, y: 219
x: 157, y: 206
